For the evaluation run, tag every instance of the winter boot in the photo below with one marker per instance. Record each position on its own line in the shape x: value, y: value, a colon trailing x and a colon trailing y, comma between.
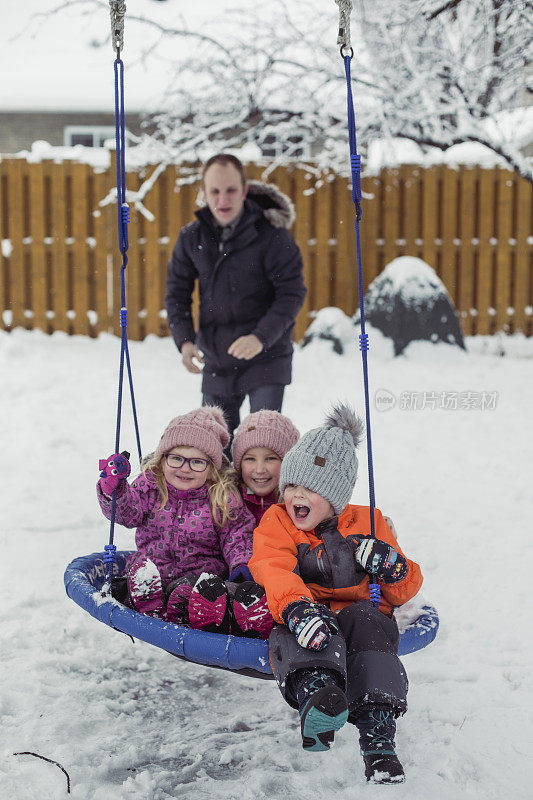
x: 144, y: 586
x: 377, y: 727
x: 119, y: 590
x: 323, y: 707
x: 209, y: 608
x: 176, y: 598
x: 251, y: 616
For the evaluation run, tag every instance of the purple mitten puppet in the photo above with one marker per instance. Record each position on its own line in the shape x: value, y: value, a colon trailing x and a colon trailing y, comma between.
x: 114, y: 471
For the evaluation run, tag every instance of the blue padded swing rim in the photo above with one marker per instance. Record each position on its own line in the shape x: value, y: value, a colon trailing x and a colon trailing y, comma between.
x: 85, y: 576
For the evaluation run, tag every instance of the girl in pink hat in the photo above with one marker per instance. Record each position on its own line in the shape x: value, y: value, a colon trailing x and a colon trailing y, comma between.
x: 193, y: 530
x: 260, y: 443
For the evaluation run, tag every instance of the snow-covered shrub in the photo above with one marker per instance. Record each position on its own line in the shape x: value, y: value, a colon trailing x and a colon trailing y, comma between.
x: 332, y: 324
x: 408, y: 301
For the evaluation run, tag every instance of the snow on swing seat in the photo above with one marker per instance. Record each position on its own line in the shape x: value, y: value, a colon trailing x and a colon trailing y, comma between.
x: 85, y: 576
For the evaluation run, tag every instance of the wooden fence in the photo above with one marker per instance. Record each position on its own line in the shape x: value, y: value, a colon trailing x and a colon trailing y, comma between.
x: 60, y: 267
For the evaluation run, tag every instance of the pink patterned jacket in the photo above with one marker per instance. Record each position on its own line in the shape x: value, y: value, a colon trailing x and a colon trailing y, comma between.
x: 182, y: 537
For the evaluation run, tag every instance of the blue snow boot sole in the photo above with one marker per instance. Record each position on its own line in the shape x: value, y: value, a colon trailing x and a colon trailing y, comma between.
x: 325, y: 712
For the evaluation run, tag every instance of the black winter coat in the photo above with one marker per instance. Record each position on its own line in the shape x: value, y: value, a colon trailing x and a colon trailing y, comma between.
x: 251, y: 283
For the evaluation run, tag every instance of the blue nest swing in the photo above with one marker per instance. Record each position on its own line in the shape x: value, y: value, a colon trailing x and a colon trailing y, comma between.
x: 88, y: 578
x: 84, y: 583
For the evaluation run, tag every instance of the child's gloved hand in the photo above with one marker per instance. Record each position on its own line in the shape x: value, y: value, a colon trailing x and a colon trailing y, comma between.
x: 240, y: 573
x: 114, y: 471
x: 310, y: 623
x: 380, y: 559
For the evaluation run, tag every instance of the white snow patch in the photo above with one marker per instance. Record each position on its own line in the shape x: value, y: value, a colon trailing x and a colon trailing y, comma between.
x: 7, y: 248
x: 412, y: 278
x: 144, y: 577
x: 331, y: 322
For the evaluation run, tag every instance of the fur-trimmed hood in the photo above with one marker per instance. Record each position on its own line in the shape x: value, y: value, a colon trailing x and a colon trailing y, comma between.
x: 276, y: 206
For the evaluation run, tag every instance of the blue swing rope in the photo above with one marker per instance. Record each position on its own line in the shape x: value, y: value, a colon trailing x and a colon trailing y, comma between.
x: 117, y: 10
x: 364, y: 346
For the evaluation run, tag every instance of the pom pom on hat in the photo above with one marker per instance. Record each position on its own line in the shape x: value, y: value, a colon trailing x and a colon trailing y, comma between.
x: 204, y: 428
x: 263, y: 429
x: 325, y: 459
x: 344, y: 417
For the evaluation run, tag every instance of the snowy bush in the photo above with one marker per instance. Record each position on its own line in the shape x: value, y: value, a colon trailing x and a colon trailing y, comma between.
x: 408, y: 301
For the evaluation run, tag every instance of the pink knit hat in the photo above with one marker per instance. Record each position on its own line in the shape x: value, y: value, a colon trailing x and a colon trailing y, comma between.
x: 204, y: 428
x: 264, y: 429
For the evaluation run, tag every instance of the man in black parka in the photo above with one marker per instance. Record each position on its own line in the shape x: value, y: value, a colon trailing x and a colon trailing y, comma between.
x: 249, y: 270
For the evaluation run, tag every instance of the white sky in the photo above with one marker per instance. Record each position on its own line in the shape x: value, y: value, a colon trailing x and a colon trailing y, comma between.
x: 50, y: 64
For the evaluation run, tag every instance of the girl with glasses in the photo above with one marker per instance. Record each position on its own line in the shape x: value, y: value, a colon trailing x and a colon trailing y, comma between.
x: 193, y: 534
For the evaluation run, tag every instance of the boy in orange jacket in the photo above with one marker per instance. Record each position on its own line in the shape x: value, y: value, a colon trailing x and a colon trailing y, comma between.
x: 335, y: 655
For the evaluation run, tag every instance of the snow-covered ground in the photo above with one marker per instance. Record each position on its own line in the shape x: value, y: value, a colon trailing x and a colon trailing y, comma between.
x: 129, y: 721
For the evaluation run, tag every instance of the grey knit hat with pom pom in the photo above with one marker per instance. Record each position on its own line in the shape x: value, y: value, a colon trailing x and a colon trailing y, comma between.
x: 325, y: 459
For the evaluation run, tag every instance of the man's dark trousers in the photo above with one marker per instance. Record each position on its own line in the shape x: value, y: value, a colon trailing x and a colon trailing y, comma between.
x: 263, y: 397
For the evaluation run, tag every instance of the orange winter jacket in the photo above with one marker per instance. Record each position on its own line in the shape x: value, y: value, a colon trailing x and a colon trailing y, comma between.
x: 320, y: 565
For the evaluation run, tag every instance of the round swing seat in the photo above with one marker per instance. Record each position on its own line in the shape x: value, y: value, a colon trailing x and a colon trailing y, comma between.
x: 85, y: 577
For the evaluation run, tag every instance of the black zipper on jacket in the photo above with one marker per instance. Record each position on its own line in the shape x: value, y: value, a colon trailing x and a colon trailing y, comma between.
x: 320, y: 560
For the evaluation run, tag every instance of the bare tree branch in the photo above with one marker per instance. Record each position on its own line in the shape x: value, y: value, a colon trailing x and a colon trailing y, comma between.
x: 436, y: 72
x: 431, y: 15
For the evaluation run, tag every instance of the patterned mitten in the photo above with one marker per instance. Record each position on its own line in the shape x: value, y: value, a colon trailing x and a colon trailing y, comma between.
x: 176, y: 598
x: 380, y: 559
x: 311, y: 624
x: 209, y: 605
x: 251, y: 616
x: 114, y: 471
x: 144, y: 585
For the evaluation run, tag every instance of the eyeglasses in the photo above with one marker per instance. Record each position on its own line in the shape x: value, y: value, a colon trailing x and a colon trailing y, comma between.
x: 196, y: 464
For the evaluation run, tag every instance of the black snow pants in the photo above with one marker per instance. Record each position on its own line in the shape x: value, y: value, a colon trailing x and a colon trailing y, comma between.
x: 365, y: 655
